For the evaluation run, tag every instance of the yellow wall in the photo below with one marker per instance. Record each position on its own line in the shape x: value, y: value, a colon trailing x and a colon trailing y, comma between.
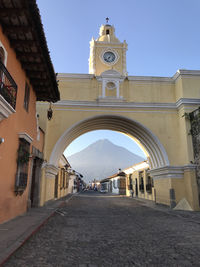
x: 167, y: 123
x: 157, y: 103
x: 162, y: 124
x: 162, y: 188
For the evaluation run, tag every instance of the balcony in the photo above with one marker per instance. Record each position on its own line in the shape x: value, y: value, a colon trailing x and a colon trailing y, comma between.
x: 8, y: 93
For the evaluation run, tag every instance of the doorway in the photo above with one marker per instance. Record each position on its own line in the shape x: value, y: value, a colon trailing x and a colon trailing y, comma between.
x: 35, y: 183
x: 136, y: 187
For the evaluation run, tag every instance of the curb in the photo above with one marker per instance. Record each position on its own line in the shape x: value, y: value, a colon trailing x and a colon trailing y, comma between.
x: 44, y: 221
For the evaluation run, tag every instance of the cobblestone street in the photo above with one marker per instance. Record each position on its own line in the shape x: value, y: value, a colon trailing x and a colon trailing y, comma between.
x: 95, y: 229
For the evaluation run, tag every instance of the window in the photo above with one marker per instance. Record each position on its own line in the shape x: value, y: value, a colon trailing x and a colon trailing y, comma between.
x: 2, y: 55
x: 26, y: 97
x: 62, y: 178
x: 130, y: 186
x: 141, y: 185
x: 118, y: 183
x: 107, y: 32
x: 149, y: 185
x: 115, y: 183
x: 22, y: 166
x: 67, y: 180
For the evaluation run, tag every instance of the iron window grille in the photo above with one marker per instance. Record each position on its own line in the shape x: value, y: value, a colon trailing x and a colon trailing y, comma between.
x: 22, y: 166
x: 8, y: 87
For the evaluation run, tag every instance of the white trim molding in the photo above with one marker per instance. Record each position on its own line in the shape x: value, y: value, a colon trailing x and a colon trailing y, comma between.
x: 26, y: 137
x: 5, y: 108
x: 123, y: 104
x: 75, y: 76
x: 6, y: 54
x: 187, y: 101
x: 189, y: 167
x: 172, y: 172
x: 179, y: 73
x: 186, y: 73
x: 50, y: 170
x: 150, y: 79
x: 110, y: 76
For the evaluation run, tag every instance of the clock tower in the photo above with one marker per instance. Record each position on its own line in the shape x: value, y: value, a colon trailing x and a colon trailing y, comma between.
x: 107, y: 52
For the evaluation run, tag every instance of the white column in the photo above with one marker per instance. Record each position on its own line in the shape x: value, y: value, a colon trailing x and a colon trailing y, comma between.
x: 103, y: 88
x: 117, y: 88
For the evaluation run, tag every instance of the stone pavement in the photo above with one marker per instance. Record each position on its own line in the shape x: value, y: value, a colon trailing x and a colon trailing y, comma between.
x: 102, y: 230
x: 15, y: 232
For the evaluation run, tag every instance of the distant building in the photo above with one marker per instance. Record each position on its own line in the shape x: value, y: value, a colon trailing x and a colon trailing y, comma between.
x: 115, y: 184
x: 139, y: 181
x: 64, y: 180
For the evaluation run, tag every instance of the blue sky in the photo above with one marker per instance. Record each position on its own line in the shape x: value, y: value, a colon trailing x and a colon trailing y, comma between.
x: 162, y: 35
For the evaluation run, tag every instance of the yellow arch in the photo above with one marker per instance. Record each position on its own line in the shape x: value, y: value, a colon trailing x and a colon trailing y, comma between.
x: 150, y: 144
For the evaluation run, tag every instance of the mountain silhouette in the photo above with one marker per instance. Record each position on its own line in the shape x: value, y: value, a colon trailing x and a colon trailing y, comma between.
x: 102, y: 159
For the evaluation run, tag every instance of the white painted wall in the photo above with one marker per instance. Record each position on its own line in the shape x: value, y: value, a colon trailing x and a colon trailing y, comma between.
x: 115, y: 189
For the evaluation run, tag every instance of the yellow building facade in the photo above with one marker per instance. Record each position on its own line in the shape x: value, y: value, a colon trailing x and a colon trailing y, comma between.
x: 139, y: 181
x: 64, y: 181
x: 150, y: 110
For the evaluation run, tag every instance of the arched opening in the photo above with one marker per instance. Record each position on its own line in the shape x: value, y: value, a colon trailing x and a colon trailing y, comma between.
x: 150, y: 144
x: 101, y: 153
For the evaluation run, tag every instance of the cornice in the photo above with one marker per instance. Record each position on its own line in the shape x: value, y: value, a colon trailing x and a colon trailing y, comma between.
x: 25, y: 136
x: 121, y: 103
x: 110, y: 104
x: 186, y: 73
x: 179, y: 73
x: 150, y: 79
x: 187, y: 101
x: 5, y: 109
x: 172, y: 172
x: 110, y: 43
x: 75, y: 75
x: 50, y: 170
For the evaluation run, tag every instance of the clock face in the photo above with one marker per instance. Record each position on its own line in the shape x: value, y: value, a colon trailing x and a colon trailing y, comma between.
x: 109, y: 57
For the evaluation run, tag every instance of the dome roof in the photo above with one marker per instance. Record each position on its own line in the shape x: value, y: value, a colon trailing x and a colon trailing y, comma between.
x: 108, y: 39
x: 107, y: 34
